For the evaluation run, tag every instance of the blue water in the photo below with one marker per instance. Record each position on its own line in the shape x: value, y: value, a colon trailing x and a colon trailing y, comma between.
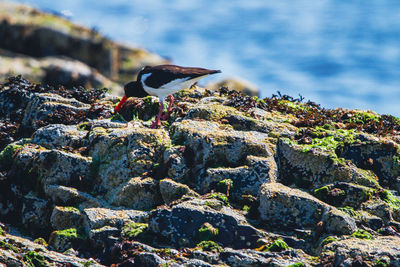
x: 336, y: 53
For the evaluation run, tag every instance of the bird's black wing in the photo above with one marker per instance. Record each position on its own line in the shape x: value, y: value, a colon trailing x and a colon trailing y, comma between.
x: 163, y: 74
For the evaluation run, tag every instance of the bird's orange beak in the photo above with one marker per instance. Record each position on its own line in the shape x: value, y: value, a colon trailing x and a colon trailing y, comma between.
x: 123, y: 100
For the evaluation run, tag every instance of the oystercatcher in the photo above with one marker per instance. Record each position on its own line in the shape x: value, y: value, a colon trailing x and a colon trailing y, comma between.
x: 163, y: 81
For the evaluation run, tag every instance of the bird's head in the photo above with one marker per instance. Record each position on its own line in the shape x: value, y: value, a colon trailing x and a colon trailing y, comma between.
x: 131, y: 89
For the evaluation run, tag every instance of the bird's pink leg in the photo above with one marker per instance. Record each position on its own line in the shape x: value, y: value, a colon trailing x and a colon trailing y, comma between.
x: 171, y: 101
x: 157, y: 121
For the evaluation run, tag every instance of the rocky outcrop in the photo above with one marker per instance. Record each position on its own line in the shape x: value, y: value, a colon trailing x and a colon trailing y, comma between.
x: 228, y: 180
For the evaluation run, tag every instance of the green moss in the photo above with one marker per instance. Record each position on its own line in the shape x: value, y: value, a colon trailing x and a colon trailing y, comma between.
x: 133, y: 230
x: 382, y: 263
x: 117, y: 118
x: 83, y: 126
x: 363, y: 118
x: 6, y: 156
x: 225, y: 186
x: 40, y: 241
x: 221, y: 197
x: 388, y: 197
x: 295, y: 106
x: 69, y: 234
x: 278, y: 246
x: 209, y: 246
x: 328, y: 240
x: 88, y: 263
x: 322, y: 192
x: 34, y: 259
x: 328, y: 140
x: 8, y: 246
x: 207, y: 232
x: 297, y: 264
x: 362, y: 234
x: 350, y: 211
x: 246, y: 208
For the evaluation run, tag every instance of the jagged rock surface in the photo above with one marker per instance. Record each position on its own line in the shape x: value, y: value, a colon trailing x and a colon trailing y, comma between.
x: 227, y: 180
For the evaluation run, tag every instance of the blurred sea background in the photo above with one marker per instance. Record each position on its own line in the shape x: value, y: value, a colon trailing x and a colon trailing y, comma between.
x: 336, y: 53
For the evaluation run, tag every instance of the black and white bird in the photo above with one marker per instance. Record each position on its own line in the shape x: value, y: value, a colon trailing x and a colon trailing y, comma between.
x: 163, y: 81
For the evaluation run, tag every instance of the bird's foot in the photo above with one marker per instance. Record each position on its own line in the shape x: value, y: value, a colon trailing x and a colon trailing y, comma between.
x: 154, y: 125
x: 165, y: 117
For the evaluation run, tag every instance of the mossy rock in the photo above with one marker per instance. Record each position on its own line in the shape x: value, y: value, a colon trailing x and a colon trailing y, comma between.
x: 207, y: 232
x: 34, y: 259
x: 209, y: 246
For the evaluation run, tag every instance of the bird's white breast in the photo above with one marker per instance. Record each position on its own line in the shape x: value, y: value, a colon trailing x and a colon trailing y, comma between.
x: 168, y: 88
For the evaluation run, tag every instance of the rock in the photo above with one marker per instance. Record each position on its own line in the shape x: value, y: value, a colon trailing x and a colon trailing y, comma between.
x: 181, y: 224
x: 63, y: 195
x: 95, y: 218
x: 18, y: 252
x: 376, y: 154
x: 54, y: 71
x: 293, y: 208
x: 64, y: 239
x: 238, y: 120
x: 175, y: 163
x: 344, y: 194
x: 237, y: 84
x: 372, y: 251
x: 149, y: 259
x: 44, y: 109
x: 122, y: 153
x: 138, y: 193
x: 104, y: 237
x: 63, y: 168
x: 65, y: 217
x: 59, y: 135
x: 35, y: 213
x: 219, y: 145
x: 379, y: 208
x: 317, y: 167
x: 247, y: 257
x: 171, y: 190
x: 246, y: 180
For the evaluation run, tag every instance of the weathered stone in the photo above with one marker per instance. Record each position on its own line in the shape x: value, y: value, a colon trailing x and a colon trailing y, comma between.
x: 35, y: 213
x: 246, y: 257
x: 216, y: 145
x: 175, y: 163
x: 65, y: 217
x: 63, y: 168
x: 181, y: 224
x: 63, y: 195
x: 100, y: 217
x: 379, y: 208
x: 149, y: 259
x: 101, y: 236
x: 138, y: 193
x: 239, y: 120
x: 59, y: 135
x: 12, y: 257
x: 171, y: 190
x: 315, y: 168
x: 293, y: 208
x: 43, y: 106
x: 246, y: 179
x: 371, y: 251
x: 122, y: 153
x: 344, y: 194
x: 378, y: 154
